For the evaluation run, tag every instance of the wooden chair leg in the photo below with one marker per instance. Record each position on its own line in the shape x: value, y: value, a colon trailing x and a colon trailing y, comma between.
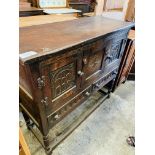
x: 23, y: 146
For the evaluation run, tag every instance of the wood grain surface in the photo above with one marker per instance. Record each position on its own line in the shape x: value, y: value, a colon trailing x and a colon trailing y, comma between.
x: 50, y: 38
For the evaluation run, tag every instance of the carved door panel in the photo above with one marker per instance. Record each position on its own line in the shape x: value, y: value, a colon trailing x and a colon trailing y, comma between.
x: 114, y: 49
x: 93, y: 55
x: 61, y: 79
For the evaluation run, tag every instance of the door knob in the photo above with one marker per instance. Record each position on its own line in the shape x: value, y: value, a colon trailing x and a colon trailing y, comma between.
x: 97, y: 86
x: 56, y: 116
x: 85, y: 61
x: 80, y: 73
x: 87, y: 94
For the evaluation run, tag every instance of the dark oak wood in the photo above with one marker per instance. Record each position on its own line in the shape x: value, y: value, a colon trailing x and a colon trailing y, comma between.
x: 67, y: 67
x: 84, y: 7
x: 127, y: 62
x: 31, y: 11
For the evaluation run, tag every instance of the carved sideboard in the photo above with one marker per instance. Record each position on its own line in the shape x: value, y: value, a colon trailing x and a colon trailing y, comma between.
x: 63, y: 64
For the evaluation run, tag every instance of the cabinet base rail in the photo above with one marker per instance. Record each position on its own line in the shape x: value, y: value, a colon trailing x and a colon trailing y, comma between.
x: 69, y: 129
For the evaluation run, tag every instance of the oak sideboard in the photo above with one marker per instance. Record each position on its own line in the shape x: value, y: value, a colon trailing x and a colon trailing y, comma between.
x: 62, y: 64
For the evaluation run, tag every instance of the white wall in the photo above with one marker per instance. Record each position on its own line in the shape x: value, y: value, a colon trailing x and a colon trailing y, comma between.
x: 111, y: 4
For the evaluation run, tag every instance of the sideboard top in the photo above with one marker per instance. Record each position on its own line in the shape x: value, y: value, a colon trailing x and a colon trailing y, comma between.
x: 40, y: 40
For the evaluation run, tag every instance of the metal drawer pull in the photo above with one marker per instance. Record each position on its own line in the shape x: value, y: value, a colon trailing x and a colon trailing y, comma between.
x: 87, y: 94
x: 80, y: 73
x: 85, y: 61
x: 57, y: 116
x: 97, y: 85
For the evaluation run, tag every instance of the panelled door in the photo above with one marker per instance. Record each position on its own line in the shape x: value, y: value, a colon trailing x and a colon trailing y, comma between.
x: 93, y: 55
x: 61, y: 79
x: 114, y: 48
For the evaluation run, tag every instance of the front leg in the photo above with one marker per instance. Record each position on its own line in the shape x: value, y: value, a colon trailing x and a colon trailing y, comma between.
x: 111, y: 88
x: 47, y: 145
x: 27, y: 119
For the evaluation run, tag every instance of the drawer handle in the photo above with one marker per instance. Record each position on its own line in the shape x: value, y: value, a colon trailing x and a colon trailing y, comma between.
x: 85, y: 61
x: 97, y: 86
x: 80, y: 73
x: 87, y: 94
x: 56, y: 116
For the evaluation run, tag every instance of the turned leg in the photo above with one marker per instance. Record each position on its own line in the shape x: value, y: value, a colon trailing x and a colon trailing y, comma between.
x: 109, y: 94
x: 27, y: 119
x: 47, y: 145
x: 124, y: 81
x: 111, y: 88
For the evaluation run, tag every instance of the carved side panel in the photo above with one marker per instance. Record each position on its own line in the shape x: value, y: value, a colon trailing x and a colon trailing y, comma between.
x: 62, y: 79
x: 113, y: 52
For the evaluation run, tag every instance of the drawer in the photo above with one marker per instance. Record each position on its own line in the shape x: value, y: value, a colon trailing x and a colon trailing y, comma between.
x: 104, y: 80
x: 68, y: 107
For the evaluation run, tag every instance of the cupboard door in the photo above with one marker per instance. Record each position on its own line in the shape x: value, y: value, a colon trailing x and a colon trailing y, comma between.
x: 114, y: 49
x: 93, y: 55
x: 61, y: 79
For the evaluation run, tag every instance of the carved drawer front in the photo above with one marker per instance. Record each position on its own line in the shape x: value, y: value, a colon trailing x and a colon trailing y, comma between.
x: 61, y: 80
x: 92, y: 62
x: 104, y: 80
x: 68, y: 107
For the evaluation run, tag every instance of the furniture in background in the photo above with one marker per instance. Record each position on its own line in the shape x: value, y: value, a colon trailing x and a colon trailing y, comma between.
x: 127, y: 62
x: 31, y: 11
x: 84, y: 7
x: 23, y: 148
x: 55, y: 7
x: 42, y: 19
x: 59, y: 70
x: 113, y: 5
x: 126, y: 13
x: 25, y: 9
x: 24, y: 4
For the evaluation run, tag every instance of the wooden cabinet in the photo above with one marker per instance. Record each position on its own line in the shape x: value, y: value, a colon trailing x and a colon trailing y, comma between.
x: 84, y: 7
x: 30, y: 11
x: 59, y: 70
x: 128, y: 60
